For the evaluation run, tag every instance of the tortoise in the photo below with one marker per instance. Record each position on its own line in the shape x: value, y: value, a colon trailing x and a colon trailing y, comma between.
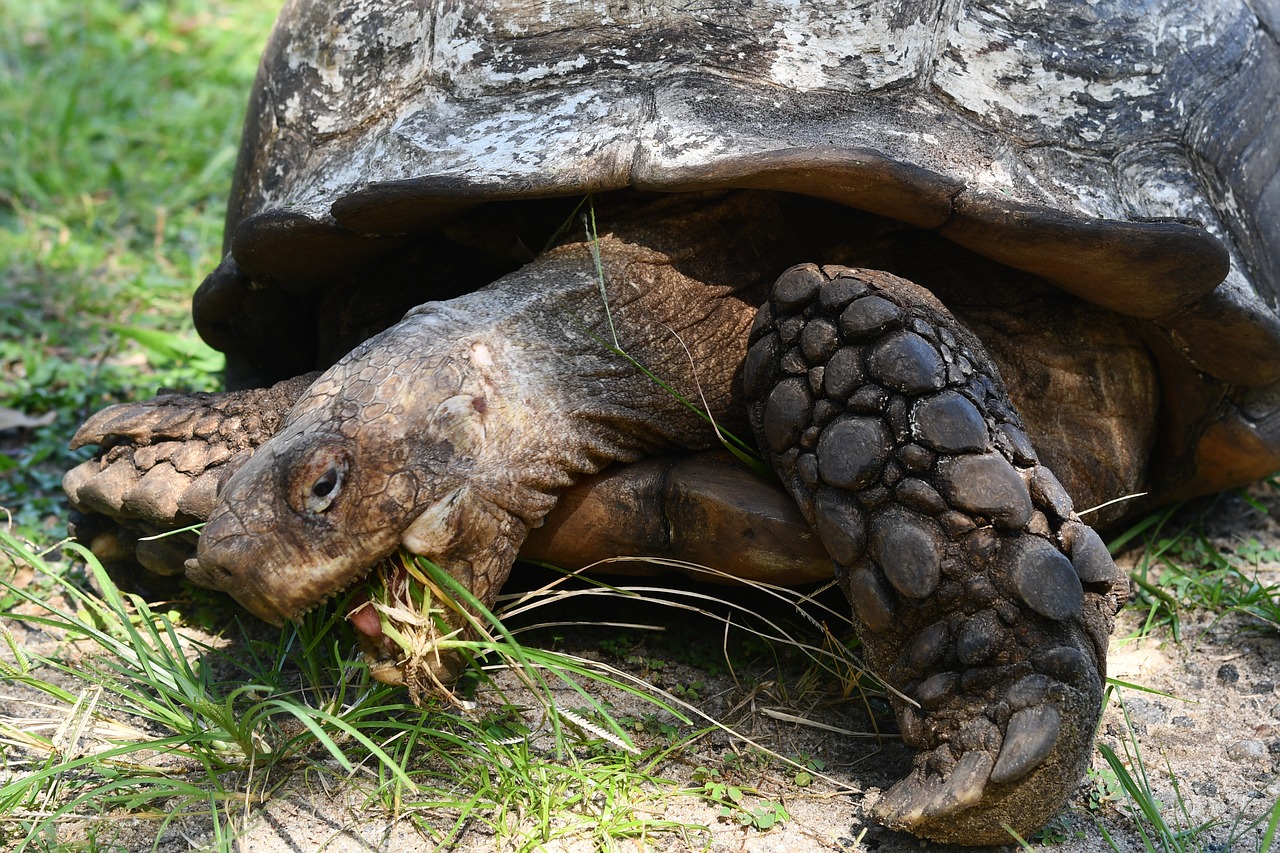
x: 526, y: 244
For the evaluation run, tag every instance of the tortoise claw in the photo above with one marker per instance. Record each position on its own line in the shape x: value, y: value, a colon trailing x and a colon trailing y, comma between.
x: 978, y: 593
x: 1028, y: 740
x: 923, y: 797
x: 1016, y: 778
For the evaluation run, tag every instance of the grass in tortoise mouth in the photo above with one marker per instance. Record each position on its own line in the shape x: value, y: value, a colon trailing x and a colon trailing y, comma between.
x: 401, y: 618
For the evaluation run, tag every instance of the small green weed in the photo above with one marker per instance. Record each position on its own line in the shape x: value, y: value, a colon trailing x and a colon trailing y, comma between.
x: 653, y: 725
x: 1180, y: 568
x: 1056, y: 831
x: 735, y: 803
x: 1104, y: 788
x: 803, y: 778
x: 620, y: 646
x: 689, y: 692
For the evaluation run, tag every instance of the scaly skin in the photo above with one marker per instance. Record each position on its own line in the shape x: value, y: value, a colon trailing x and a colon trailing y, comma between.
x: 978, y: 593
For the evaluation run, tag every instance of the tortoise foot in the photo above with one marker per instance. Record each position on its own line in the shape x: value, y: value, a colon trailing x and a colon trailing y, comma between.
x: 160, y: 464
x: 979, y: 595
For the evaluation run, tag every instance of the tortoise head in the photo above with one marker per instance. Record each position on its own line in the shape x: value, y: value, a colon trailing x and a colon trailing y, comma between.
x: 381, y: 451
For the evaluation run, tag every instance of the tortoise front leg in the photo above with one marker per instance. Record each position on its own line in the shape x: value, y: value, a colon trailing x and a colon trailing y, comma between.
x: 160, y: 465
x: 978, y: 593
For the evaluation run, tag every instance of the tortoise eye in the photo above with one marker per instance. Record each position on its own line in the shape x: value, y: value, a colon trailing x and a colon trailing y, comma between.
x: 326, y: 488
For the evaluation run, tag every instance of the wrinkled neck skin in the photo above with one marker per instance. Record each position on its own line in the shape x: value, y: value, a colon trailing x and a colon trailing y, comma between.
x: 452, y: 432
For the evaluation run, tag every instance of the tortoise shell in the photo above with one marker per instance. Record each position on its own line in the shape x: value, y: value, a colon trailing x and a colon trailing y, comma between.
x: 1126, y: 154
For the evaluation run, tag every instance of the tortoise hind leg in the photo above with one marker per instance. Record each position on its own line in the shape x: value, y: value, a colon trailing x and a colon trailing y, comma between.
x: 977, y: 592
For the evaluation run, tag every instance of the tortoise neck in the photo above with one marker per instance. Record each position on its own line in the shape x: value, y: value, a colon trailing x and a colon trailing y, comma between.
x: 565, y: 376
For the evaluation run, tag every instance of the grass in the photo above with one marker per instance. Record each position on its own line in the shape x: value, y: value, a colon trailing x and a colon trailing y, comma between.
x: 1166, y: 827
x: 119, y: 121
x: 1179, y: 568
x: 156, y: 721
x: 134, y: 714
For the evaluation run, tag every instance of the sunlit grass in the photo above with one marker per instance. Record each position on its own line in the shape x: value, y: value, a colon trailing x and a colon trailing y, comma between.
x: 133, y: 715
x: 1178, y: 568
x: 119, y: 124
x: 1164, y: 823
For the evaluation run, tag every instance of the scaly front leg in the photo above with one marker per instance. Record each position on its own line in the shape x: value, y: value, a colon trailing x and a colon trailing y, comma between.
x: 978, y: 593
x: 161, y: 464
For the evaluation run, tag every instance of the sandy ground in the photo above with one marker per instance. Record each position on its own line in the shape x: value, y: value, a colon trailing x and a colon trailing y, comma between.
x: 1212, y: 745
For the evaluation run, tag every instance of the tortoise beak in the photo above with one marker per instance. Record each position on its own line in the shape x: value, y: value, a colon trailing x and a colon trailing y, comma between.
x: 262, y: 572
x: 222, y: 563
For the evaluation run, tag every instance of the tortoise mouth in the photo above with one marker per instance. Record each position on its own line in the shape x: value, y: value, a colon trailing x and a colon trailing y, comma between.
x: 276, y: 584
x: 364, y: 619
x: 400, y: 624
x: 384, y: 658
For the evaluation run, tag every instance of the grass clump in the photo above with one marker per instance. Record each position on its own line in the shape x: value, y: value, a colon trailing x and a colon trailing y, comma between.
x: 162, y: 727
x: 119, y: 124
x: 1154, y: 801
x: 135, y: 714
x: 1179, y: 567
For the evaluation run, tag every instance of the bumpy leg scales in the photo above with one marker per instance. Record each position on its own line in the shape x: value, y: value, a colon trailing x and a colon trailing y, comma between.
x: 160, y: 464
x: 977, y: 591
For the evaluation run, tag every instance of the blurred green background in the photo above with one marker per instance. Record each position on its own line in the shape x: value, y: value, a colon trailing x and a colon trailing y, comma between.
x: 119, y: 124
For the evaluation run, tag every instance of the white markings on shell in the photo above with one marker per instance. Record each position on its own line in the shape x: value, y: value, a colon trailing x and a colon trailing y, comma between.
x: 369, y: 98
x: 850, y: 47
x: 1081, y: 82
x: 346, y: 81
